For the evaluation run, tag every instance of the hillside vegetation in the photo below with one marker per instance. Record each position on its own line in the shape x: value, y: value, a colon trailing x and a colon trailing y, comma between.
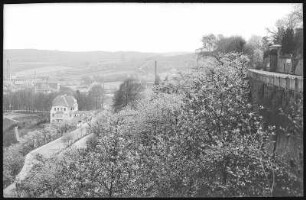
x: 196, y: 136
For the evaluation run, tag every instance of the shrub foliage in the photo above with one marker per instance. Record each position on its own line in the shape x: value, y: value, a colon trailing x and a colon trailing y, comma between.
x: 197, y: 137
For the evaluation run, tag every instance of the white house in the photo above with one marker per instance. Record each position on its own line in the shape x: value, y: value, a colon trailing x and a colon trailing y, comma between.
x: 63, y: 108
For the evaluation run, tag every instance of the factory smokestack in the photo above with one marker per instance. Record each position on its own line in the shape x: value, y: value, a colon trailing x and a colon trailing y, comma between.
x: 155, y: 69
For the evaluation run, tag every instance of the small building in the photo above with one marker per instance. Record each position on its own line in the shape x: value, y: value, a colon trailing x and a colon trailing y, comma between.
x: 48, y: 87
x: 275, y: 61
x: 63, y: 108
x: 21, y: 82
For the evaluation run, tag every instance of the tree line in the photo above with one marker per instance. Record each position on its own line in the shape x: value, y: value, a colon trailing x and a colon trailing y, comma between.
x: 27, y: 99
x: 257, y: 47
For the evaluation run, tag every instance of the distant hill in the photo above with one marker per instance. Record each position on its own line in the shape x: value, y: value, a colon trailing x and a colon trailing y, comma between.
x: 22, y: 59
x: 77, y: 64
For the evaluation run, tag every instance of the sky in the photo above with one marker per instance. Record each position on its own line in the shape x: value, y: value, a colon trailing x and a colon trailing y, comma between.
x: 141, y: 27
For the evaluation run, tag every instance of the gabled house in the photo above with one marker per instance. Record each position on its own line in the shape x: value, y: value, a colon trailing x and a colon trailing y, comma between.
x: 63, y: 108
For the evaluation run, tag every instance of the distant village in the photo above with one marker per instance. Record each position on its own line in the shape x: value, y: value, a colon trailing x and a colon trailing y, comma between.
x: 38, y: 83
x: 42, y: 83
x: 64, y: 106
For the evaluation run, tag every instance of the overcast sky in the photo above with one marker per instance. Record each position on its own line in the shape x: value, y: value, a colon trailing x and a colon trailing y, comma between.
x: 132, y: 27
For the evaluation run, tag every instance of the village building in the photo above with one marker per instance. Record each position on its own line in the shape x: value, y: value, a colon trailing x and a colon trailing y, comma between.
x: 64, y: 107
x: 48, y: 87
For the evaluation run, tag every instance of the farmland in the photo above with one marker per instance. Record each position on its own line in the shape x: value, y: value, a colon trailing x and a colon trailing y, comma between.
x: 41, y: 70
x: 113, y: 66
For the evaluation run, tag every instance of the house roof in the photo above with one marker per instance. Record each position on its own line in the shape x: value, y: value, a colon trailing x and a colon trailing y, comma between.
x: 64, y: 100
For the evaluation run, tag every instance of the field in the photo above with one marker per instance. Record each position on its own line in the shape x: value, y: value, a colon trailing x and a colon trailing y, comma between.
x: 112, y: 85
x: 41, y: 70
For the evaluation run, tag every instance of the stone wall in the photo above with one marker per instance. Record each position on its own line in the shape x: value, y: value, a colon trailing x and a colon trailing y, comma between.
x: 274, y: 91
x: 284, y: 81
